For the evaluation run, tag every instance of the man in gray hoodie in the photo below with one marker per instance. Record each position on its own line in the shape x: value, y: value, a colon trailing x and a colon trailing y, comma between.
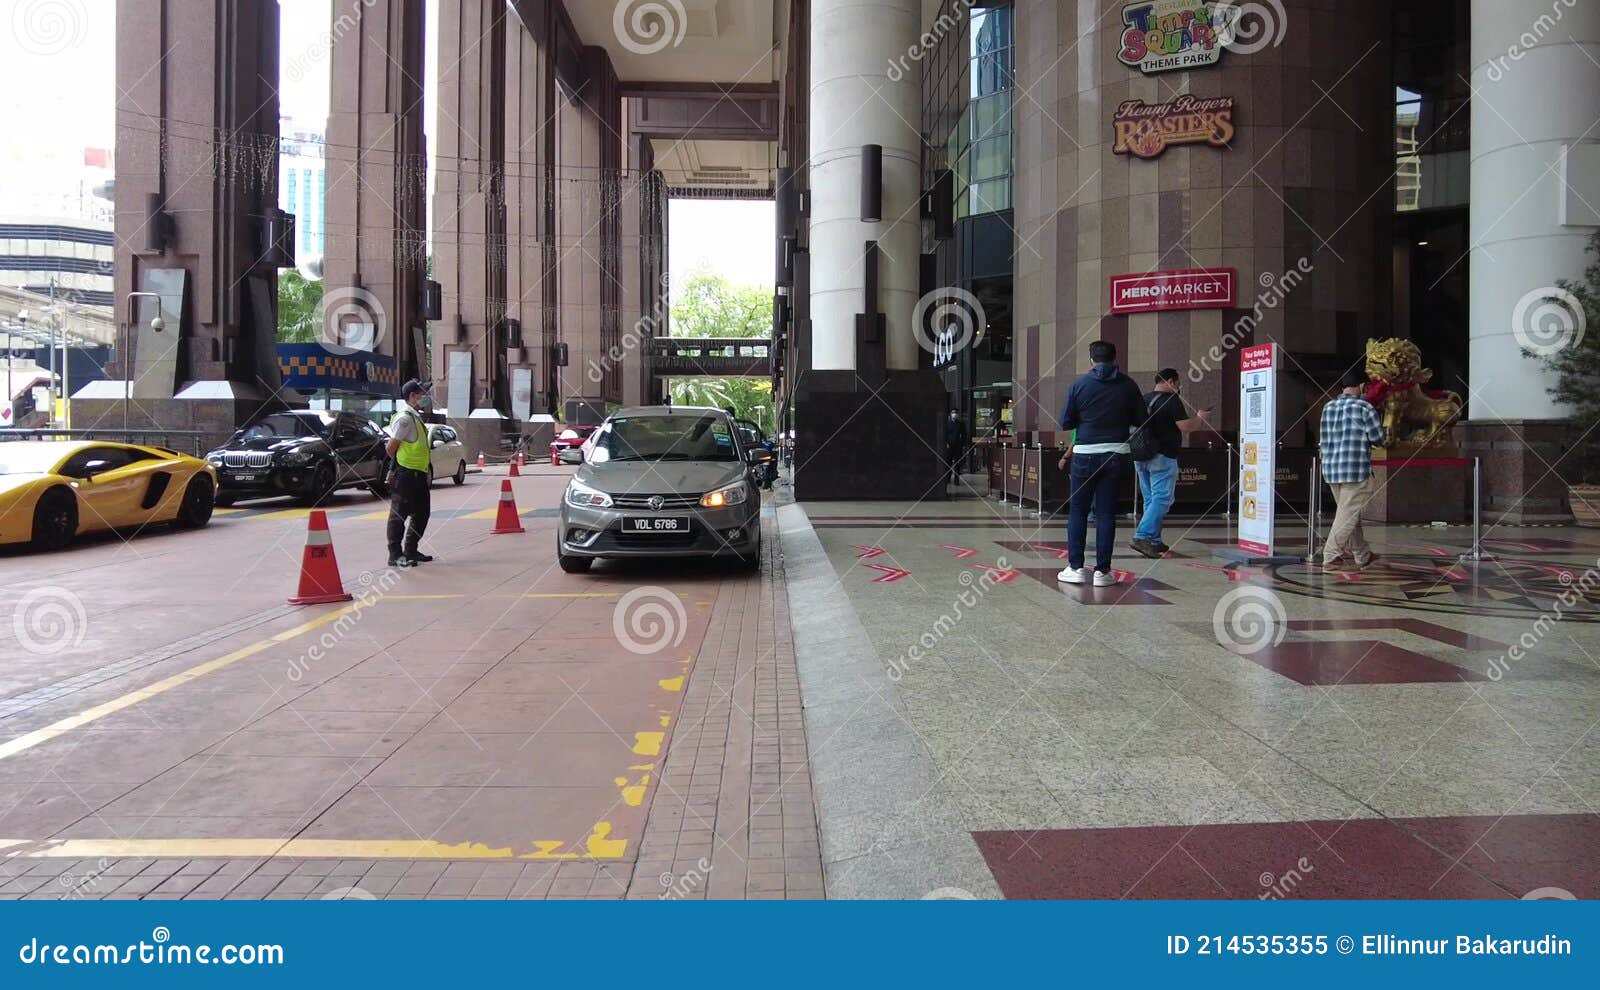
x: 1103, y: 407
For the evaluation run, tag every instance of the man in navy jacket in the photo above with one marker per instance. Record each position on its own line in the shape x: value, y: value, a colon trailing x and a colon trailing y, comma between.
x: 1103, y: 407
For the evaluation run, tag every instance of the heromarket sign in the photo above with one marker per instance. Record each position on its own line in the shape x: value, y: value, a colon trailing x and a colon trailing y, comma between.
x: 1145, y: 130
x: 1166, y: 35
x: 1187, y: 288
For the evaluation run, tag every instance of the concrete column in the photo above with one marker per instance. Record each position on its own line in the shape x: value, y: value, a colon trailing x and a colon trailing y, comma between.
x: 854, y: 102
x: 197, y: 129
x: 375, y: 252
x: 1536, y: 86
x: 469, y: 215
x: 527, y: 143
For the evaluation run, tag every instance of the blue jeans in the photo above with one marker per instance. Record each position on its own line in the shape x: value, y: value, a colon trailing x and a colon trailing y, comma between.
x: 1158, y: 480
x: 1095, y: 479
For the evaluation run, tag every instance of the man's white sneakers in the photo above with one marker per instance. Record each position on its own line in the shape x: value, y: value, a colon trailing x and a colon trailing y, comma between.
x: 1084, y: 575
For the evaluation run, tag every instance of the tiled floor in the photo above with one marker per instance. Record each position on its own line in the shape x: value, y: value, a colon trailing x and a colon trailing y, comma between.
x: 1374, y: 723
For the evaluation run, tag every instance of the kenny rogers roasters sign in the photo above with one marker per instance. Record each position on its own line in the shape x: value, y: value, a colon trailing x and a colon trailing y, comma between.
x: 1163, y: 35
x: 1147, y: 129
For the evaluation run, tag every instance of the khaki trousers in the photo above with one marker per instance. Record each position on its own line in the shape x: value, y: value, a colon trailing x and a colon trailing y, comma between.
x: 1346, y: 536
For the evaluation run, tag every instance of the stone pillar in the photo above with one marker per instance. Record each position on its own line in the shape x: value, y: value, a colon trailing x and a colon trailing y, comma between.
x: 1535, y: 90
x: 855, y: 102
x: 469, y: 214
x: 527, y: 142
x: 197, y: 164
x: 1535, y: 83
x: 375, y: 256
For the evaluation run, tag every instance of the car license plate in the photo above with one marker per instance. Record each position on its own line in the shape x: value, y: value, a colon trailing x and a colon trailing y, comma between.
x: 244, y: 477
x: 656, y: 524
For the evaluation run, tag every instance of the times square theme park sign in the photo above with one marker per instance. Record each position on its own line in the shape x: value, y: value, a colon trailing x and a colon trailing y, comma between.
x: 1164, y: 35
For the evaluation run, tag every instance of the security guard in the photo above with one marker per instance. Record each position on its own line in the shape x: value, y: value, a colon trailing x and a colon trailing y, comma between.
x: 409, y: 493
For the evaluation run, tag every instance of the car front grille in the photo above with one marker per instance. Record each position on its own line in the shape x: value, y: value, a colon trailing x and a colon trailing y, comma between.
x: 667, y: 501
x: 247, y: 458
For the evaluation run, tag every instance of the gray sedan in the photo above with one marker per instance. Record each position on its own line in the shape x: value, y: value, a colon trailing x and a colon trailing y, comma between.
x: 662, y: 481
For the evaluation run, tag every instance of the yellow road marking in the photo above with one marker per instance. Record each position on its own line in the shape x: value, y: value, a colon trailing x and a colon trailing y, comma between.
x: 671, y: 683
x: 100, y: 711
x: 576, y: 594
x: 648, y: 743
x: 284, y: 514
x: 598, y: 845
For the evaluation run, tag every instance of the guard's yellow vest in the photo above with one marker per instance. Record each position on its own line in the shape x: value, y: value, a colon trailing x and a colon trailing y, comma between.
x: 413, y: 454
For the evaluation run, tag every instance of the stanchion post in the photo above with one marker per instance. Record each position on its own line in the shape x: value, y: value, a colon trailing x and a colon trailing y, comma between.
x: 1038, y: 507
x: 1476, y: 553
x: 1227, y: 496
x: 1311, y: 512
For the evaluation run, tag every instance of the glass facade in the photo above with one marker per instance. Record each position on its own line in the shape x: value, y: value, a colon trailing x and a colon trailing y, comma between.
x: 984, y: 154
x: 1432, y: 66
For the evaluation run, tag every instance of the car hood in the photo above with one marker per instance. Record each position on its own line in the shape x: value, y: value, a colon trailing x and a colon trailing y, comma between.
x: 269, y: 443
x: 10, y: 483
x: 660, y: 477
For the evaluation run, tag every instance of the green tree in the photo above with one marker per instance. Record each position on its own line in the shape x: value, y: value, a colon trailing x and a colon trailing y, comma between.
x: 299, y: 309
x: 1577, y: 368
x: 710, y: 306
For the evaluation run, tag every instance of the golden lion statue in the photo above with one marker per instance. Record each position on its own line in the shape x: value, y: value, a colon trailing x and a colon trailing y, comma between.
x: 1410, y: 416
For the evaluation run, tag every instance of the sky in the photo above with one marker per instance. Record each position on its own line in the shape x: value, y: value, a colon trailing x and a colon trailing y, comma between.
x: 58, y: 96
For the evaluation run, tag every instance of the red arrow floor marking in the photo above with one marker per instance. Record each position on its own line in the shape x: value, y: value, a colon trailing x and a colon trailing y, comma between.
x: 890, y: 574
x: 960, y: 553
x: 868, y: 551
x: 1001, y: 575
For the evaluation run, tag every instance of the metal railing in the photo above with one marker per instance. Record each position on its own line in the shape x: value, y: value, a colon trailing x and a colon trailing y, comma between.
x: 193, y: 440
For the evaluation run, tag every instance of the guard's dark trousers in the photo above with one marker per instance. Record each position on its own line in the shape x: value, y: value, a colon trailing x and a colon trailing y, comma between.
x: 409, y: 499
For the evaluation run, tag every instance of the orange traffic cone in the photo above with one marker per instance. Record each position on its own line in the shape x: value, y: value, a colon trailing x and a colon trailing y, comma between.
x: 319, y: 569
x: 507, y: 520
x: 555, y: 455
x: 522, y: 459
x: 514, y: 472
x: 482, y: 463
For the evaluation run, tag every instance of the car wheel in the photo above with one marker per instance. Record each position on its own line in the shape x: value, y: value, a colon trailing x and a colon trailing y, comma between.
x: 378, y: 487
x: 574, y: 565
x: 198, y: 500
x: 324, y: 482
x: 55, y: 520
x: 223, y: 500
x: 460, y: 477
x: 751, y: 561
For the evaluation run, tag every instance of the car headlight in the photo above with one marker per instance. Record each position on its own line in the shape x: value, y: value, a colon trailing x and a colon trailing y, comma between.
x: 214, y: 459
x: 722, y: 497
x: 295, y: 458
x: 584, y: 497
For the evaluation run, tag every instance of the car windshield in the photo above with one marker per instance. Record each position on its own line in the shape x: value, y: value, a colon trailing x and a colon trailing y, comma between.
x: 687, y: 437
x: 29, y: 457
x: 283, y: 425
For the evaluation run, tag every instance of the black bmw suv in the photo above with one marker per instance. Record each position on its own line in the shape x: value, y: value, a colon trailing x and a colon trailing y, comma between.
x: 307, y: 453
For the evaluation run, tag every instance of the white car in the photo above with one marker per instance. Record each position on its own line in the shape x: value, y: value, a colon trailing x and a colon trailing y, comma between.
x: 448, y: 458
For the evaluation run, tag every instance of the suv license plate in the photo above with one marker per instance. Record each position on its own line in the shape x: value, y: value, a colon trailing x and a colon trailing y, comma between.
x: 244, y: 477
x: 656, y: 524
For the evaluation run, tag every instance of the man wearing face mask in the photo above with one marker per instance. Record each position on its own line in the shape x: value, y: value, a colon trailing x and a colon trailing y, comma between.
x: 410, y: 494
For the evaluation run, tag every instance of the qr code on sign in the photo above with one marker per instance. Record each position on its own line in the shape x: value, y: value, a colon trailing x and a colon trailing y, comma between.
x: 1255, y: 409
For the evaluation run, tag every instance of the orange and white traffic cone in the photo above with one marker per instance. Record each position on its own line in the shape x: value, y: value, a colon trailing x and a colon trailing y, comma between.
x: 507, y: 520
x: 482, y: 462
x: 522, y: 459
x: 319, y: 569
x: 514, y: 472
x: 555, y: 457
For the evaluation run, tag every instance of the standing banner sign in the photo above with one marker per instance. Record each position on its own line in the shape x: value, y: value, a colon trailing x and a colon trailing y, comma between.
x: 1258, y: 443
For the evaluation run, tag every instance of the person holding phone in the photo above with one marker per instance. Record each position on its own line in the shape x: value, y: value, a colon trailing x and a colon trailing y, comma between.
x: 1167, y: 423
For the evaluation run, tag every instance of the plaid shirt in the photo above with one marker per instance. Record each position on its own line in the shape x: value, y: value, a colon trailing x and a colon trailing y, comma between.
x: 1349, y: 429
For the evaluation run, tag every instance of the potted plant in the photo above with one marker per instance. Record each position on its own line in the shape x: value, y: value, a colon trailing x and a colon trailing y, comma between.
x: 1575, y: 359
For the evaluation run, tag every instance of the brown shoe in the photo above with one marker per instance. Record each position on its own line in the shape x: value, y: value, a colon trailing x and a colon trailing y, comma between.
x: 1363, y: 562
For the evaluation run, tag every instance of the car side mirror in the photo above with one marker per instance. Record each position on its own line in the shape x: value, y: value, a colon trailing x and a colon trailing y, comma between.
x: 95, y: 467
x: 438, y: 443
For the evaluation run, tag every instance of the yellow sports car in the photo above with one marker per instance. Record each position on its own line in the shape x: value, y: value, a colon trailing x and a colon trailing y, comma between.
x: 51, y: 492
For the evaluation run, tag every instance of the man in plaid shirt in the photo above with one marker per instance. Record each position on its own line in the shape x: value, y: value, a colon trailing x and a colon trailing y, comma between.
x: 1350, y: 427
